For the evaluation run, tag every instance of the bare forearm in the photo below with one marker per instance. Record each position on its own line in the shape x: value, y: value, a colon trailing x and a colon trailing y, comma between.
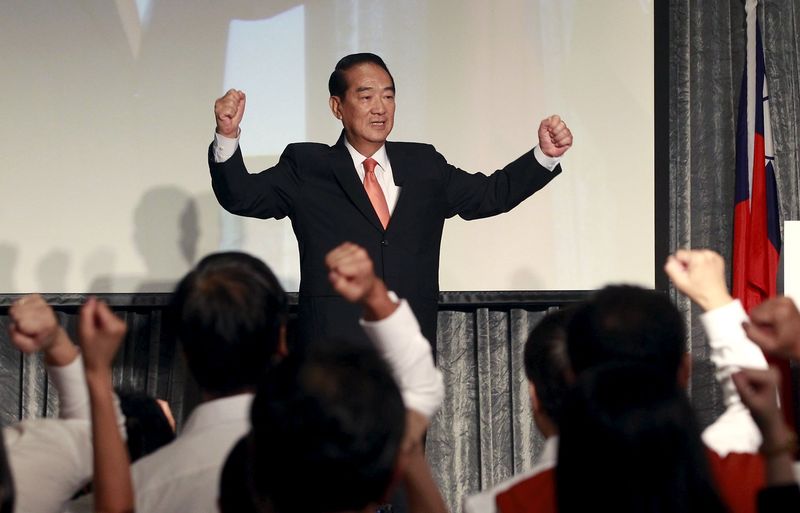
x: 779, y: 446
x: 112, y: 477
x: 377, y: 304
x: 62, y: 352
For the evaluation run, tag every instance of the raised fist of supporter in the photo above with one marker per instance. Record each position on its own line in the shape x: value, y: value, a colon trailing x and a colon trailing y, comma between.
x: 100, y: 333
x: 351, y: 272
x: 228, y: 112
x: 700, y: 274
x: 775, y: 326
x: 34, y: 326
x: 352, y: 275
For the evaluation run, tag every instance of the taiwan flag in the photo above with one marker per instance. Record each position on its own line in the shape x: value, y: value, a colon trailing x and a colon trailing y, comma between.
x: 756, y: 223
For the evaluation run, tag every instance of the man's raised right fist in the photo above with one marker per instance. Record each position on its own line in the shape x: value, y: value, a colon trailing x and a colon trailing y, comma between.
x: 228, y: 112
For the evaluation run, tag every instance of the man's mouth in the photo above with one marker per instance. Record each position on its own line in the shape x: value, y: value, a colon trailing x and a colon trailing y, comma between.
x: 377, y: 124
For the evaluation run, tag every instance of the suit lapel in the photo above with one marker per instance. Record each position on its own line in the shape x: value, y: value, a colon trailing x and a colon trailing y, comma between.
x: 346, y: 175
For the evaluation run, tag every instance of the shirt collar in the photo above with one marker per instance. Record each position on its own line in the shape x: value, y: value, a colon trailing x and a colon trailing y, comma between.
x: 358, y: 158
x: 212, y: 413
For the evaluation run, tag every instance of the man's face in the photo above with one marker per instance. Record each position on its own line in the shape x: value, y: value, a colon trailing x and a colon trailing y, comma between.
x: 367, y: 109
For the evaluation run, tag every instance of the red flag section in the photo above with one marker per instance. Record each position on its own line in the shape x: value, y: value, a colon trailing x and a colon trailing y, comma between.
x: 756, y: 232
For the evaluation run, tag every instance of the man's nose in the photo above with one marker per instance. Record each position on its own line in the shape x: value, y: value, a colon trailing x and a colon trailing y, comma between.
x: 378, y: 106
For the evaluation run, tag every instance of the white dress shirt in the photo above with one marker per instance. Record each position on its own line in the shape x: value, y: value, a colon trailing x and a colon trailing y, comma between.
x: 183, y: 476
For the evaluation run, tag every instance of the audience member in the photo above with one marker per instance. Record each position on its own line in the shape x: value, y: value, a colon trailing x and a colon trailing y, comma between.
x: 759, y: 391
x: 625, y: 324
x: 229, y: 315
x: 100, y: 333
x: 630, y: 444
x: 149, y: 424
x: 59, y: 451
x: 547, y: 369
x: 330, y: 430
x: 53, y: 451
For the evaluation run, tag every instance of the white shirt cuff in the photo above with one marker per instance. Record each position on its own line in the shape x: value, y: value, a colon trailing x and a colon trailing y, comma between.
x: 548, y: 163
x: 223, y: 147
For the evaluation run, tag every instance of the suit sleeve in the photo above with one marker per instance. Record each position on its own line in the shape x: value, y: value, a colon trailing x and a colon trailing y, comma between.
x: 268, y: 194
x: 473, y: 196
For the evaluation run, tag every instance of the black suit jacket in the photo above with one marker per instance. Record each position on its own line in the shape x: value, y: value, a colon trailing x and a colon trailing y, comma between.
x: 316, y: 186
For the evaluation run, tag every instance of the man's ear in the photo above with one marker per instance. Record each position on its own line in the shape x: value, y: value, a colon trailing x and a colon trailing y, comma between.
x: 335, y: 103
x: 534, y: 397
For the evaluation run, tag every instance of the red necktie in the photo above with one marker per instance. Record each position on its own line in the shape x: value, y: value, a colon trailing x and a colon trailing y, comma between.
x: 375, y: 192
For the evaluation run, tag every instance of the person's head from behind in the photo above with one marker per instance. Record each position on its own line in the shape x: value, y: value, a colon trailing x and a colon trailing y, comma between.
x: 6, y: 480
x: 629, y: 443
x: 229, y: 315
x: 624, y: 323
x: 547, y: 369
x: 146, y: 423
x: 327, y: 428
x: 362, y: 96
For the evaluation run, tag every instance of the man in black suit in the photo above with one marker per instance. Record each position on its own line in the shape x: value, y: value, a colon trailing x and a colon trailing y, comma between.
x: 390, y: 198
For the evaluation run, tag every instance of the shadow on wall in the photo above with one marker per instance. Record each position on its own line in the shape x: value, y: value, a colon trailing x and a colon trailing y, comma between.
x: 172, y: 230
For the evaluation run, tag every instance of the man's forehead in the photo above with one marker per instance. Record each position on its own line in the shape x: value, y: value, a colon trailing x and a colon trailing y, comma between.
x: 367, y: 76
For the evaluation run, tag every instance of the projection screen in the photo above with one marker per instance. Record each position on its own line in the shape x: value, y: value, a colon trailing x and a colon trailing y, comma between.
x: 109, y: 115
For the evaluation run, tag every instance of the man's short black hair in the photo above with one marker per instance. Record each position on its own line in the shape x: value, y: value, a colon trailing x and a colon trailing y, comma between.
x: 625, y: 323
x: 146, y: 426
x: 328, y: 421
x: 337, y: 84
x: 546, y: 362
x: 228, y: 314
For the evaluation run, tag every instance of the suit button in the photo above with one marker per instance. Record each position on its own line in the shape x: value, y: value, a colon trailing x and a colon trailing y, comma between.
x: 384, y: 242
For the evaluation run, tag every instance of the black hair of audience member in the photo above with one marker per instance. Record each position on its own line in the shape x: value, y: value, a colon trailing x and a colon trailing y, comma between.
x: 146, y: 425
x: 327, y: 426
x: 337, y: 83
x: 229, y: 315
x: 6, y: 480
x: 629, y: 443
x: 546, y: 363
x: 235, y: 489
x: 624, y: 323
